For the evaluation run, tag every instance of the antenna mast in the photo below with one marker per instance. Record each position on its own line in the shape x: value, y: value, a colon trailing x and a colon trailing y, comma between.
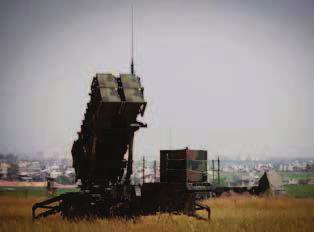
x: 132, y: 41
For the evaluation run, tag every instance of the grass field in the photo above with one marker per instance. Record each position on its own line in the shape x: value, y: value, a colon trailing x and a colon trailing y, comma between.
x: 297, y: 175
x: 300, y: 190
x: 228, y: 214
x: 26, y: 192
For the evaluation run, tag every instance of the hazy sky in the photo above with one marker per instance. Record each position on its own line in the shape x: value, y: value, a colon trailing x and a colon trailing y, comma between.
x: 232, y: 77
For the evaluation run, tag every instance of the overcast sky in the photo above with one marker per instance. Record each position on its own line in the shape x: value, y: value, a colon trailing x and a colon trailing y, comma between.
x: 233, y: 77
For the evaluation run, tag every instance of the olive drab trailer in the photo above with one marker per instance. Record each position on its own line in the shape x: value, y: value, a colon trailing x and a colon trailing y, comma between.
x: 103, y: 157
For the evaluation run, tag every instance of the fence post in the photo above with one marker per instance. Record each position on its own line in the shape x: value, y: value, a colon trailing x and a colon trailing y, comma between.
x: 213, y: 163
x: 155, y: 170
x: 143, y: 171
x: 218, y: 171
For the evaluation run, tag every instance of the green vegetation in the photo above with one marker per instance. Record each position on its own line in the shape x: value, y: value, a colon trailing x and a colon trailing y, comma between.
x: 25, y: 192
x: 65, y: 180
x: 297, y: 175
x: 300, y: 190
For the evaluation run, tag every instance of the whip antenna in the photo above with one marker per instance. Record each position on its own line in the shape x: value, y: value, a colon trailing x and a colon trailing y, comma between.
x: 132, y: 40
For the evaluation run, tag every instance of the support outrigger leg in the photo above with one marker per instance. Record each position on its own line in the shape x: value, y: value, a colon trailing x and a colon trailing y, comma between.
x: 200, y: 206
x: 51, y: 209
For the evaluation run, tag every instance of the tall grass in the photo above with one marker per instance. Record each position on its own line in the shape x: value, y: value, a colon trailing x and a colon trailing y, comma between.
x: 228, y: 214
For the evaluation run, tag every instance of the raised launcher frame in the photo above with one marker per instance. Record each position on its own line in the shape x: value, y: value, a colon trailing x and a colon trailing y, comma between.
x: 106, y: 136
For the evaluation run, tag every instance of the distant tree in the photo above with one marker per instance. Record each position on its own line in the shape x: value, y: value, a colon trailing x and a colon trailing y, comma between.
x: 65, y: 180
x: 11, y: 158
x: 309, y: 167
x: 13, y: 171
x: 303, y: 182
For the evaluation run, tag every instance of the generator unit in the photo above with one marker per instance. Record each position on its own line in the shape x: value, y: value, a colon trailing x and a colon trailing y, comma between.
x: 183, y: 183
x: 183, y: 166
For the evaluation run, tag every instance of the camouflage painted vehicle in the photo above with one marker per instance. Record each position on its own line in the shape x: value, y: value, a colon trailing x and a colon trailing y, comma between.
x: 106, y: 136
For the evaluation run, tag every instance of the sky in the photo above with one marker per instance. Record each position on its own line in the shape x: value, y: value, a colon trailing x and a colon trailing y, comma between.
x: 232, y: 77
